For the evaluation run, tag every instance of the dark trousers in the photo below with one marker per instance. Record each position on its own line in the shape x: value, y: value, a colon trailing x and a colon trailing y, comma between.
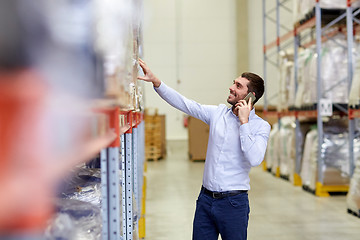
x: 226, y: 216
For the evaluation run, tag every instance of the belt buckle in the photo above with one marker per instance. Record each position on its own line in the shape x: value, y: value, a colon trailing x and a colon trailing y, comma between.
x: 216, y: 195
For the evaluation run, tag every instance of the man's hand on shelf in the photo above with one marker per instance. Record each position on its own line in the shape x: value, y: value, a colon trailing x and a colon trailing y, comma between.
x: 149, y: 76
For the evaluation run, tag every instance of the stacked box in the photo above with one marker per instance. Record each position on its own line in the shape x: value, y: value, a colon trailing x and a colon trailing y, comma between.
x: 198, y: 139
x: 155, y: 143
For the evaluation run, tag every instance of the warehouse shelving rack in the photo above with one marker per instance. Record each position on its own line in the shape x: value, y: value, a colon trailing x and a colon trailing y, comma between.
x: 122, y: 162
x: 321, y: 36
x: 126, y: 154
x: 281, y: 42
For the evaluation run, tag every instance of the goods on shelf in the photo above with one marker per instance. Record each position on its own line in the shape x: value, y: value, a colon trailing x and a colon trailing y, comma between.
x: 84, y: 185
x: 155, y: 142
x: 75, y: 219
x: 309, y: 156
x: 52, y: 79
x: 305, y: 57
x: 335, y: 154
x: 272, y: 155
x: 354, y: 96
x: 287, y: 81
x: 287, y: 147
x: 281, y: 154
x: 333, y: 74
x: 303, y: 9
x: 353, y: 196
x: 117, y: 39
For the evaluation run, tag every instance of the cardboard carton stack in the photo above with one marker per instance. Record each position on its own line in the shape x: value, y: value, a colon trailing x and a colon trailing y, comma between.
x: 155, y: 143
x: 198, y: 139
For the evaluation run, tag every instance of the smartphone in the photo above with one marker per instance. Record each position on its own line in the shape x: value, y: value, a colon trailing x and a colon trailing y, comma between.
x: 250, y: 95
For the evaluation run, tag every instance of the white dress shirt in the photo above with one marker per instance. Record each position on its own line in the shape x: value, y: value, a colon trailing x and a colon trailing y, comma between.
x: 233, y: 148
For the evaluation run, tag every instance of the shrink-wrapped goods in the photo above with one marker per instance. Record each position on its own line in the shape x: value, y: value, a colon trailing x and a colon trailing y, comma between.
x: 84, y: 185
x: 303, y: 76
x: 337, y: 4
x: 287, y: 82
x: 272, y: 150
x: 275, y: 154
x: 354, y: 96
x: 353, y: 196
x: 75, y: 220
x: 334, y: 65
x: 286, y: 146
x: 334, y: 152
x: 334, y: 70
x: 117, y: 39
x: 309, y: 153
x: 302, y: 9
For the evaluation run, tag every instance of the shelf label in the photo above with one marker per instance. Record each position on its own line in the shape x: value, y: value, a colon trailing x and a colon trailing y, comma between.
x: 326, y: 108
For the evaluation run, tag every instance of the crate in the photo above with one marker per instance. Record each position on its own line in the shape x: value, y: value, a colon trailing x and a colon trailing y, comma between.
x: 155, y: 143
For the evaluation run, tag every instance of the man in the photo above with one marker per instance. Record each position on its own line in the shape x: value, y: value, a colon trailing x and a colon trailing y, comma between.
x: 237, y: 142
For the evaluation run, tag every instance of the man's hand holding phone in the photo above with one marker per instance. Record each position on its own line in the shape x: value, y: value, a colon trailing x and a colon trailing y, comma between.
x: 243, y: 108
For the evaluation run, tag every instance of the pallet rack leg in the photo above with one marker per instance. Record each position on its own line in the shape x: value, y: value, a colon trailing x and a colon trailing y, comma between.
x: 104, y: 193
x: 123, y: 192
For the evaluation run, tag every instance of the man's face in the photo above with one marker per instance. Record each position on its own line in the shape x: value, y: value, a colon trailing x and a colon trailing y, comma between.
x: 238, y: 90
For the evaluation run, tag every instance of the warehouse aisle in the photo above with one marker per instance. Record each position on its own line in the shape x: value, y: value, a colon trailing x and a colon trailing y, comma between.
x: 278, y: 210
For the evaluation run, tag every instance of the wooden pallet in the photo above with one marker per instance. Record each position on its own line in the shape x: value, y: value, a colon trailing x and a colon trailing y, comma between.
x: 153, y: 153
x: 155, y: 144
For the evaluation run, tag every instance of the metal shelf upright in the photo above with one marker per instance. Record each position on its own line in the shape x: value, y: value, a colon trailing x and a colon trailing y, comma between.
x: 110, y: 179
x: 281, y: 42
x: 125, y: 155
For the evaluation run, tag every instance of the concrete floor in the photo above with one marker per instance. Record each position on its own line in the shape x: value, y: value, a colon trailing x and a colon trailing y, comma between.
x: 278, y: 209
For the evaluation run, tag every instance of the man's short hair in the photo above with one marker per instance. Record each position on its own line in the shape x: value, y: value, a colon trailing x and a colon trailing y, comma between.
x: 255, y: 85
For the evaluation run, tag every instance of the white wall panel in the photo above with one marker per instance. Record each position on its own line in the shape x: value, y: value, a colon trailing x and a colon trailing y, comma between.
x: 193, y: 42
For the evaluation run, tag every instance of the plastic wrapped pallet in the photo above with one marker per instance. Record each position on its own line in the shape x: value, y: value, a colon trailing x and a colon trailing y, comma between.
x: 75, y: 220
x: 335, y: 152
x: 286, y: 147
x: 84, y: 185
x: 275, y: 155
x: 271, y: 151
x: 334, y: 70
x: 353, y: 196
x: 303, y: 7
x: 333, y: 74
x: 304, y: 60
x: 309, y: 153
x: 354, y: 97
x: 287, y: 85
x: 337, y: 4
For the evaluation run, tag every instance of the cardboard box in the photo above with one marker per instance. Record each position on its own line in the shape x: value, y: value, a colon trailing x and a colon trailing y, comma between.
x: 155, y: 142
x: 198, y: 139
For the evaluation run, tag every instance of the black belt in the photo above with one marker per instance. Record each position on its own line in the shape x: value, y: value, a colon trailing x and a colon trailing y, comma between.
x: 222, y: 194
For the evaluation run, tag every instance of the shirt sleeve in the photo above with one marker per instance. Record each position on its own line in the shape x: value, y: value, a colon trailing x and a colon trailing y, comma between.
x: 190, y: 107
x: 254, y: 141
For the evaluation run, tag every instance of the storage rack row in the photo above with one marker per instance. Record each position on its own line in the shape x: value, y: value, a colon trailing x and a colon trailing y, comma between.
x: 89, y: 59
x: 295, y: 37
x: 127, y: 154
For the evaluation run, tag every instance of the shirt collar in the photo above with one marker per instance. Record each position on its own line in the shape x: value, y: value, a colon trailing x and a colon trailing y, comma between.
x: 252, y: 113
